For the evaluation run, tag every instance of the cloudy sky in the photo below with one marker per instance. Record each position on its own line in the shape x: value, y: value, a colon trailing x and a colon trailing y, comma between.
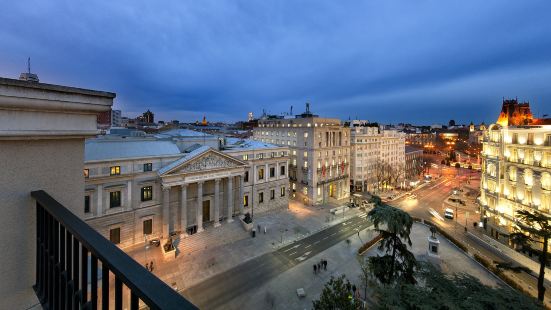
x: 388, y: 61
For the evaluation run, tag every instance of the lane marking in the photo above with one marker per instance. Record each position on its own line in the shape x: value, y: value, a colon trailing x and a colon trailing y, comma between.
x: 292, y: 253
x: 307, y: 246
x: 316, y: 242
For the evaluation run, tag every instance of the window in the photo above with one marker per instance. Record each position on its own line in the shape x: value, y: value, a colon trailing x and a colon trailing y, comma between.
x: 305, y: 154
x: 115, y: 170
x: 114, y: 199
x: 246, y: 157
x: 147, y: 167
x: 260, y: 197
x: 305, y: 190
x: 246, y: 177
x: 261, y: 173
x: 282, y: 171
x: 272, y: 172
x: 272, y: 194
x: 282, y: 191
x: 115, y: 235
x: 87, y: 204
x: 147, y: 193
x: 86, y: 173
x: 246, y: 200
x: 148, y: 227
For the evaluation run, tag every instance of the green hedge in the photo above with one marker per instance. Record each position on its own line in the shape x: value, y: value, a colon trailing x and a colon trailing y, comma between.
x: 498, y: 272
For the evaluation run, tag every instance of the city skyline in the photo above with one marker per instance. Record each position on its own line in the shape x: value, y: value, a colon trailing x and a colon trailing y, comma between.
x: 223, y: 60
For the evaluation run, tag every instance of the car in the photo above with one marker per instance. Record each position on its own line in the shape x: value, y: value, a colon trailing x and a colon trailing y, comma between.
x: 448, y: 213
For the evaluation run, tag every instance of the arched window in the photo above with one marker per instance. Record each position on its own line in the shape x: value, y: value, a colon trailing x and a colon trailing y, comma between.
x: 546, y: 181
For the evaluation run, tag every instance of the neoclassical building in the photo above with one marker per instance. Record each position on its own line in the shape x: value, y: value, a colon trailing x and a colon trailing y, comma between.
x: 319, y: 168
x: 516, y: 174
x: 148, y: 187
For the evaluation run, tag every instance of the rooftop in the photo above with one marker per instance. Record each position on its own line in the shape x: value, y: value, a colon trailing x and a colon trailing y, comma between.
x: 246, y: 144
x: 99, y: 149
x: 182, y: 133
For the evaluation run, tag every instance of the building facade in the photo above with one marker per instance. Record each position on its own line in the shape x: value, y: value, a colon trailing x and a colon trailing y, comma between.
x: 138, y: 189
x: 516, y: 174
x: 414, y: 165
x: 116, y: 118
x: 319, y: 168
x: 377, y: 158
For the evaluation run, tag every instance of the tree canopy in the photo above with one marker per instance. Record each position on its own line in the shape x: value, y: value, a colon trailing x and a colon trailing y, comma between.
x: 458, y: 291
x: 336, y: 294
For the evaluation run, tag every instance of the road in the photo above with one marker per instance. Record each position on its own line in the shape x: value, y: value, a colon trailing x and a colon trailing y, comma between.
x: 433, y: 196
x: 234, y: 283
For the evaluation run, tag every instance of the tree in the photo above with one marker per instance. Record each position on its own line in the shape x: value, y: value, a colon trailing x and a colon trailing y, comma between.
x: 365, y: 275
x: 336, y: 294
x: 534, y: 227
x: 451, y: 123
x: 442, y: 291
x: 398, y: 264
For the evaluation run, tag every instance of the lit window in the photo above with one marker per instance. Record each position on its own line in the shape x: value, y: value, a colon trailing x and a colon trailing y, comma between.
x: 86, y: 173
x: 147, y: 193
x: 246, y: 157
x: 305, y: 154
x: 246, y: 200
x: 282, y: 191
x: 116, y: 170
x: 319, y: 191
x: 261, y: 173
x: 305, y: 190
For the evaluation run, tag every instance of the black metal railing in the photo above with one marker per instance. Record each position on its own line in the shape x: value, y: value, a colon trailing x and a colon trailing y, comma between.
x: 69, y: 254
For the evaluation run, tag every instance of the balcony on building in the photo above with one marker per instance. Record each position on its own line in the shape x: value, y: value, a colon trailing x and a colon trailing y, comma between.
x: 51, y: 258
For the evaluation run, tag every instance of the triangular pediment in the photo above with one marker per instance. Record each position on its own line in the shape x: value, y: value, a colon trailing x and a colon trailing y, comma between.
x: 202, y: 160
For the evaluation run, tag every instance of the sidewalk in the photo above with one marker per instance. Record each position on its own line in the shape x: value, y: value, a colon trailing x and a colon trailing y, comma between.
x: 215, y: 250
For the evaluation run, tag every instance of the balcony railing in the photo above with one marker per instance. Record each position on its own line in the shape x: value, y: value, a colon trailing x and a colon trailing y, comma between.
x: 68, y: 251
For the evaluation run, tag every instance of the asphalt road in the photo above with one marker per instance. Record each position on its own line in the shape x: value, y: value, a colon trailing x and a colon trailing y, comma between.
x: 233, y: 283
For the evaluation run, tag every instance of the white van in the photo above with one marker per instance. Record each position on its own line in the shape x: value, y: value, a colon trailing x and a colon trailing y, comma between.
x: 448, y: 213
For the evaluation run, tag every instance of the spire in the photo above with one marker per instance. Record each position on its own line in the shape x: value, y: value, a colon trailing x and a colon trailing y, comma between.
x: 28, y: 76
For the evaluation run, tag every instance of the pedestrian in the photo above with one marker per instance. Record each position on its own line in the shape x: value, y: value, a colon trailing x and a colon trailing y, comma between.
x: 319, y: 266
x: 264, y: 229
x: 151, y: 266
x: 147, y: 266
x: 325, y: 264
x: 315, y: 269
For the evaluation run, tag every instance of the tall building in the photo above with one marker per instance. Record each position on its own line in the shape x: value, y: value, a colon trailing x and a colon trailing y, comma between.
x: 147, y: 117
x: 319, y: 167
x: 116, y: 118
x: 516, y: 167
x: 377, y: 157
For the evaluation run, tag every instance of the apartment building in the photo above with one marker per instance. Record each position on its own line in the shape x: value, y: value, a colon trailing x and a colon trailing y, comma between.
x: 319, y: 169
x: 377, y: 157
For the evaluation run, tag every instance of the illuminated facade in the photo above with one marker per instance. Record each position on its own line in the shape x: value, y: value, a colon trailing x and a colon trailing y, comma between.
x: 370, y: 147
x: 319, y: 168
x: 516, y: 173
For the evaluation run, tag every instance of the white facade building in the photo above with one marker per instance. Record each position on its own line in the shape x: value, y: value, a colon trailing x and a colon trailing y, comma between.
x: 138, y: 188
x: 377, y: 157
x: 319, y: 154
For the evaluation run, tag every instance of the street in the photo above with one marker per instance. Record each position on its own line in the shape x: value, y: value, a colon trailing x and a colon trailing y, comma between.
x: 234, y: 283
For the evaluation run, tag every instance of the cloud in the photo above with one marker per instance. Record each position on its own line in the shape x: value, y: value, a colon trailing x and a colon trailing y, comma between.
x: 183, y: 59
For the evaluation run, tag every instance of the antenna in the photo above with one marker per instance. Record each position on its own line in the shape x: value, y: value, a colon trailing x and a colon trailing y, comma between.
x: 29, y: 64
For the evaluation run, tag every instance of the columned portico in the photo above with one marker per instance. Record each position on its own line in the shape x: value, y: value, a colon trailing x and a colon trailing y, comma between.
x: 200, y: 206
x: 166, y: 211
x: 216, y: 202
x: 207, y: 169
x: 230, y: 199
x: 241, y: 188
x: 183, y: 209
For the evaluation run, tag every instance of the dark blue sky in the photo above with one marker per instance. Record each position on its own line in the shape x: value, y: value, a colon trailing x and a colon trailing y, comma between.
x: 386, y: 61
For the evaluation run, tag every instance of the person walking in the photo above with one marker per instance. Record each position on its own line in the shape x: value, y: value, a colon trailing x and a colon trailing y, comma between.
x: 315, y: 269
x: 147, y: 266
x: 151, y: 266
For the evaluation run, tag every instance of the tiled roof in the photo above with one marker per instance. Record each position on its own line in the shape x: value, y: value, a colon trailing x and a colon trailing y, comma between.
x: 95, y: 149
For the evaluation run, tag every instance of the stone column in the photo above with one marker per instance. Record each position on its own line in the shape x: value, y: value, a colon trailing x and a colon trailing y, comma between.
x: 99, y: 206
x: 241, y: 188
x: 166, y: 211
x: 200, y: 206
x: 266, y: 172
x: 230, y: 199
x: 216, y: 202
x: 183, y: 209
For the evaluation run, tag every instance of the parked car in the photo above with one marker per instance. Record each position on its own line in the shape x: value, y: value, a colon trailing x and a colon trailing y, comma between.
x: 448, y: 213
